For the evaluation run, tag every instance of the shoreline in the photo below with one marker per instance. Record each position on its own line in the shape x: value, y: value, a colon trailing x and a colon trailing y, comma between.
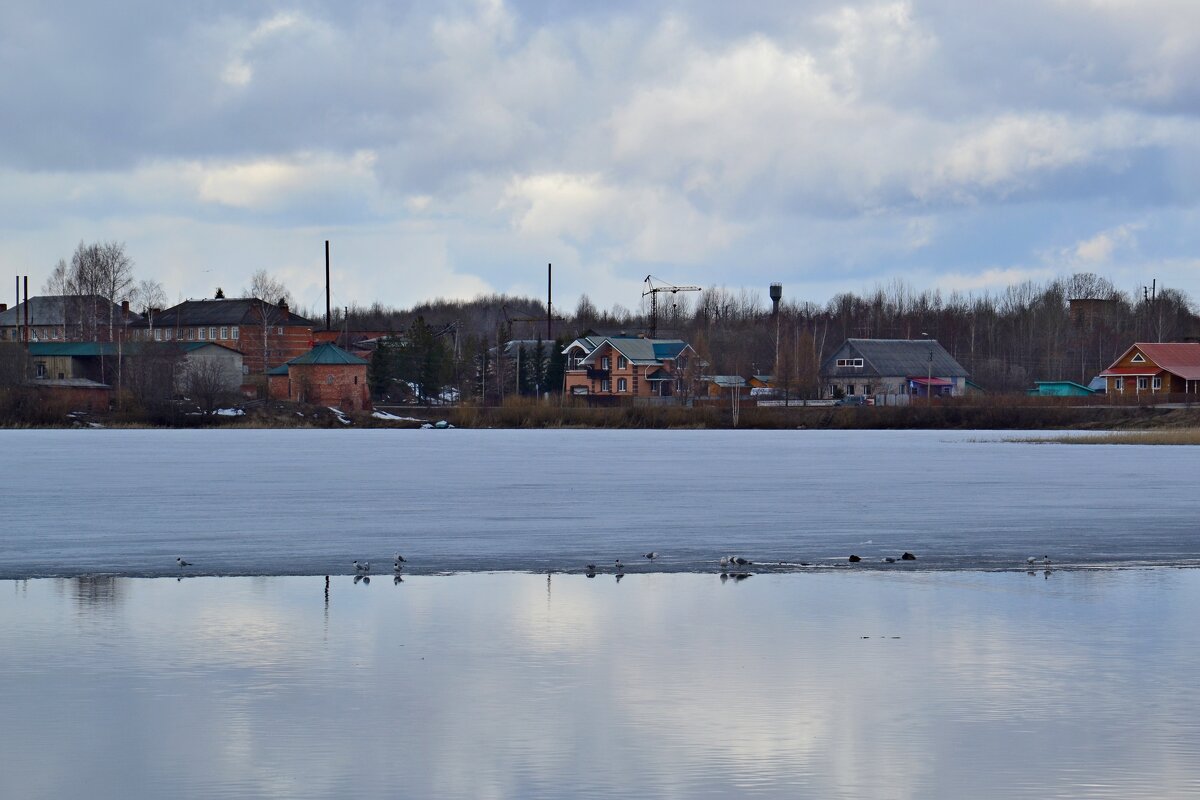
x: 993, y: 413
x: 759, y: 571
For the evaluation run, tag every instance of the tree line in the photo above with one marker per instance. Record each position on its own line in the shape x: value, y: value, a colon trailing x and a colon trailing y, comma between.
x: 1068, y: 328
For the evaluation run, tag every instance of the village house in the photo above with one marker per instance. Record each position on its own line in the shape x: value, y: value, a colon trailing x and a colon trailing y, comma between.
x: 1150, y: 369
x: 256, y: 329
x: 324, y: 376
x: 609, y: 369
x: 65, y: 318
x: 892, y: 370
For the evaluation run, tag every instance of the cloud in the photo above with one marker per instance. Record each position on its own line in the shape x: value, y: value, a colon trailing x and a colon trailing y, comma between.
x: 828, y: 145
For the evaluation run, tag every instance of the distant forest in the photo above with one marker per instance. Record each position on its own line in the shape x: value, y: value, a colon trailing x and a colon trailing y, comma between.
x: 1065, y: 329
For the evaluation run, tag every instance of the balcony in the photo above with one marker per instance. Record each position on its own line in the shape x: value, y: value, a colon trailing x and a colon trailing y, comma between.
x: 598, y: 374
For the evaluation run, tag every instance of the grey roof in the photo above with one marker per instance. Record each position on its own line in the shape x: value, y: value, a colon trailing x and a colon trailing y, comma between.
x: 725, y: 380
x: 237, y: 311
x: 894, y: 358
x: 54, y: 310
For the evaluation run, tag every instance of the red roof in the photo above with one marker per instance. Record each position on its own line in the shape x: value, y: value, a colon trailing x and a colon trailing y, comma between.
x: 1178, y: 358
x: 1149, y: 369
x: 931, y: 381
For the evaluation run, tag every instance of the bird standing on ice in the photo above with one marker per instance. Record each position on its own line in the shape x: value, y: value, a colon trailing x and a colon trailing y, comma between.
x: 364, y: 566
x: 183, y: 563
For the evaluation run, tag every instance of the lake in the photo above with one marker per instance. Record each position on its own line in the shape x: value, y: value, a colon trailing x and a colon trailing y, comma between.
x: 495, y: 668
x: 1079, y: 684
x: 304, y: 502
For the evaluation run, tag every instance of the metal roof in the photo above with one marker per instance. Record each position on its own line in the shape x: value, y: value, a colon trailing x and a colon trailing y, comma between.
x: 1178, y: 358
x: 97, y: 349
x: 894, y: 358
x: 55, y: 310
x: 236, y: 311
x: 637, y: 349
x: 326, y: 353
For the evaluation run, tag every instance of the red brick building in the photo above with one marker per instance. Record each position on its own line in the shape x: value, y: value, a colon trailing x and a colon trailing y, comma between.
x: 605, y: 369
x: 266, y: 335
x: 324, y: 376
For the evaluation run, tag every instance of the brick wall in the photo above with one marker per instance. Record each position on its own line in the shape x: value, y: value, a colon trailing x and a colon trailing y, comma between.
x: 341, y: 385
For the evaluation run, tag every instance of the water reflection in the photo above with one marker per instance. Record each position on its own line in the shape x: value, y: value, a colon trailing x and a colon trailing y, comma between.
x: 823, y: 685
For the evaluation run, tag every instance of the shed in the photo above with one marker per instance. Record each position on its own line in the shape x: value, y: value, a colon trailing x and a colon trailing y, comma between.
x: 1059, y: 389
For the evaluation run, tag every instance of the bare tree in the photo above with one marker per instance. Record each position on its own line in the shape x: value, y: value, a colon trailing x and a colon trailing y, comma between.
x: 273, y: 296
x: 208, y: 382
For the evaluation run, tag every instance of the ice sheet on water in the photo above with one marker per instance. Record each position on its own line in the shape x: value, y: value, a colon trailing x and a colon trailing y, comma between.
x: 312, y: 501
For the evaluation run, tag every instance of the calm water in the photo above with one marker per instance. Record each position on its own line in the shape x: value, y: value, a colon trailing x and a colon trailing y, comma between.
x: 1078, y: 684
x: 311, y: 502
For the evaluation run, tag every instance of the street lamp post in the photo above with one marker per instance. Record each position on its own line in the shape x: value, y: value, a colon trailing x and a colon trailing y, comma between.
x: 929, y: 372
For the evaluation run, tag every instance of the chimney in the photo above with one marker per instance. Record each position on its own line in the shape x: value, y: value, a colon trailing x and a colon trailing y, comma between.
x: 283, y: 306
x: 3, y: 307
x: 124, y: 308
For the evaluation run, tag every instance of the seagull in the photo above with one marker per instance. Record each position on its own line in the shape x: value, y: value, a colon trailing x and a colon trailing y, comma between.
x: 397, y: 567
x: 651, y: 555
x: 889, y: 560
x: 741, y: 562
x: 183, y: 563
x: 620, y: 567
x: 400, y: 559
x: 854, y: 559
x: 724, y: 561
x: 908, y: 556
x: 1030, y: 560
x: 365, y: 566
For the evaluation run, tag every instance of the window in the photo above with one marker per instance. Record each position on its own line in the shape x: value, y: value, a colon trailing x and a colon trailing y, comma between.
x: 212, y: 334
x: 867, y: 389
x: 1157, y: 383
x: 233, y: 333
x: 1138, y: 358
x: 167, y: 334
x: 200, y: 334
x: 1143, y: 383
x: 158, y: 335
x: 191, y: 334
x: 621, y: 362
x: 41, y: 369
x: 850, y: 362
x: 1120, y: 386
x: 279, y: 330
x: 849, y: 389
x: 224, y: 333
x: 606, y: 363
x: 622, y: 385
x: 605, y: 386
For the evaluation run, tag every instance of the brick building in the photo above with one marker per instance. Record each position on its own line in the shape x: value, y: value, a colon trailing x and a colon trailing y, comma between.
x: 324, y: 376
x: 614, y: 368
x: 266, y: 335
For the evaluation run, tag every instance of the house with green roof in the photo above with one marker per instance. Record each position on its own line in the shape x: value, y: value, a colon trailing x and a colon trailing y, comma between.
x: 608, y: 369
x: 326, y: 375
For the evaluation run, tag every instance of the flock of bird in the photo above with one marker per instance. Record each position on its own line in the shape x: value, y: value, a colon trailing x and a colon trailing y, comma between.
x: 362, y: 569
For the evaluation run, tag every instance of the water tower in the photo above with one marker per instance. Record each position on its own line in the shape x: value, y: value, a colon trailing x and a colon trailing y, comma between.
x: 776, y: 296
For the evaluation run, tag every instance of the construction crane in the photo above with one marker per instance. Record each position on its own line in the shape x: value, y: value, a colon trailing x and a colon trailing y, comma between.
x: 653, y: 290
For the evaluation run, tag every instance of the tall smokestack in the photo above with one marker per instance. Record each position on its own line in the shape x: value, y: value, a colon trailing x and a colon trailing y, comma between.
x: 549, y: 311
x: 27, y: 309
x: 328, y: 315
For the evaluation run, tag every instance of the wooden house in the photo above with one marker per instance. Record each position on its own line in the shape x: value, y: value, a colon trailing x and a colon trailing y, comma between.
x: 1148, y: 369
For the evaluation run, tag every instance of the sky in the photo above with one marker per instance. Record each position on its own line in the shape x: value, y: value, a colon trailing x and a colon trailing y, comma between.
x: 456, y: 148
